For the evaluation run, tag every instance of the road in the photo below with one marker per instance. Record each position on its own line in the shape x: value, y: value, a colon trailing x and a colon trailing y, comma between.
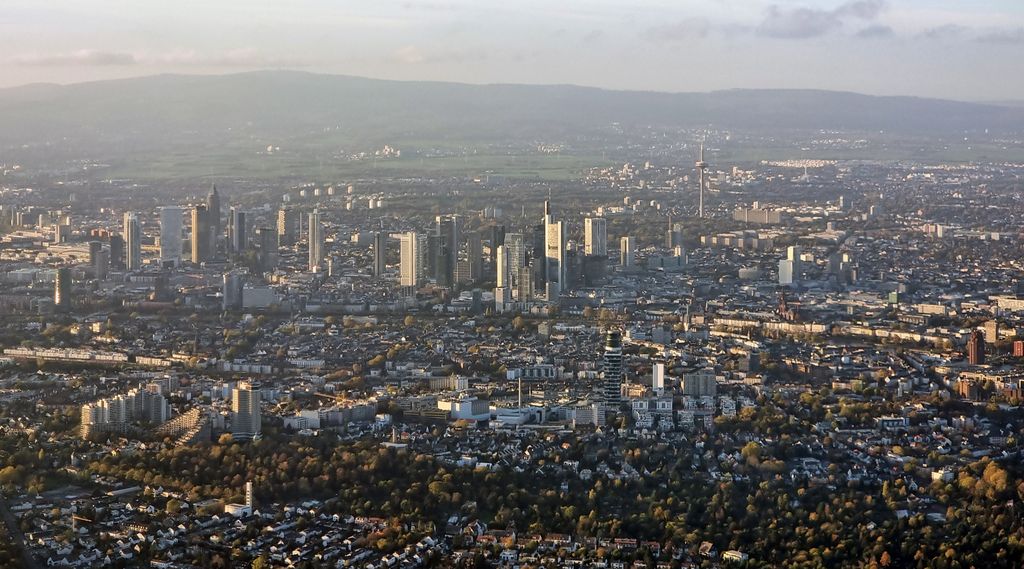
x: 14, y: 530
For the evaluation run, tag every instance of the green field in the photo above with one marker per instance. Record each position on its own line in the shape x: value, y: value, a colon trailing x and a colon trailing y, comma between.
x: 190, y: 165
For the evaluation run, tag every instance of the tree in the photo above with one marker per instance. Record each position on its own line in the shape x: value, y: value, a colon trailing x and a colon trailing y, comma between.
x: 410, y: 320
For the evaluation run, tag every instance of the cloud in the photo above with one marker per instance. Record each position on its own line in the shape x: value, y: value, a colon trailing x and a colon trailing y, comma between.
x: 413, y: 55
x: 594, y: 36
x: 689, y: 28
x: 803, y: 23
x: 409, y: 55
x: 82, y: 57
x: 244, y: 57
x: 947, y: 31
x: 429, y: 6
x: 863, y: 9
x: 1006, y: 37
x: 877, y: 31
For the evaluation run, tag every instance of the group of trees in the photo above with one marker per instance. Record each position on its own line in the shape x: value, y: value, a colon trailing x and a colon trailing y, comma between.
x: 776, y: 521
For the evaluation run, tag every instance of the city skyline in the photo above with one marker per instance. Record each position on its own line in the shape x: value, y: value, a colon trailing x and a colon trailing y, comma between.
x: 263, y: 314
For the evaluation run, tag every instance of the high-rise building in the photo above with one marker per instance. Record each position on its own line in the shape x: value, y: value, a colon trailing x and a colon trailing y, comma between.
x: 411, y: 247
x: 658, y: 377
x: 315, y: 237
x: 554, y: 247
x: 213, y: 218
x: 62, y: 289
x: 786, y: 272
x: 287, y: 226
x: 231, y: 290
x: 201, y: 238
x: 101, y: 266
x: 380, y: 240
x: 475, y: 255
x: 515, y: 244
x: 61, y: 233
x: 238, y: 231
x: 94, y: 249
x: 497, y: 237
x: 595, y: 236
x: 171, y: 223
x: 133, y: 242
x: 790, y: 268
x: 502, y: 299
x: 266, y: 238
x: 524, y: 284
x: 673, y: 235
x: 795, y: 253
x: 246, y: 422
x: 448, y: 231
x: 504, y: 274
x: 976, y: 348
x: 627, y: 251
x: 992, y: 331
x: 611, y: 370
x: 117, y: 251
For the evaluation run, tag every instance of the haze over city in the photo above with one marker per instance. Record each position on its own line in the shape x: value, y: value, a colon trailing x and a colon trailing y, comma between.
x: 730, y: 284
x: 933, y: 48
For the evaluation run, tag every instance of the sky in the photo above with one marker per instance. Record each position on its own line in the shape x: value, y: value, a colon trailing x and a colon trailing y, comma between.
x: 957, y: 49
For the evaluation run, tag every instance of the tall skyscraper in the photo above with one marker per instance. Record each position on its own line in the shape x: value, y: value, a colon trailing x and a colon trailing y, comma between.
x: 61, y: 232
x: 515, y: 244
x: 133, y: 242
x: 380, y: 240
x: 497, y: 237
x: 790, y: 268
x: 611, y: 370
x: 213, y: 218
x: 171, y: 223
x: 316, y: 242
x: 786, y: 272
x: 504, y: 274
x: 475, y: 255
x: 555, y: 256
x: 524, y: 283
x: 117, y: 251
x: 658, y: 377
x: 101, y: 264
x: 595, y: 236
x: 266, y: 238
x: 246, y: 423
x: 62, y: 289
x: 673, y: 235
x: 231, y: 290
x: 238, y: 231
x: 287, y: 226
x: 976, y: 348
x: 627, y: 251
x: 411, y: 262
x: 94, y: 249
x: 201, y: 238
x: 448, y: 231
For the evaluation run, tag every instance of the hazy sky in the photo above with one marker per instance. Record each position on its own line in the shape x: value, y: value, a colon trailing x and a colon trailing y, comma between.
x: 964, y: 49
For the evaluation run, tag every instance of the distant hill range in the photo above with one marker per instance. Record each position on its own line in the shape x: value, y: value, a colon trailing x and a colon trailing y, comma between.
x: 177, y: 111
